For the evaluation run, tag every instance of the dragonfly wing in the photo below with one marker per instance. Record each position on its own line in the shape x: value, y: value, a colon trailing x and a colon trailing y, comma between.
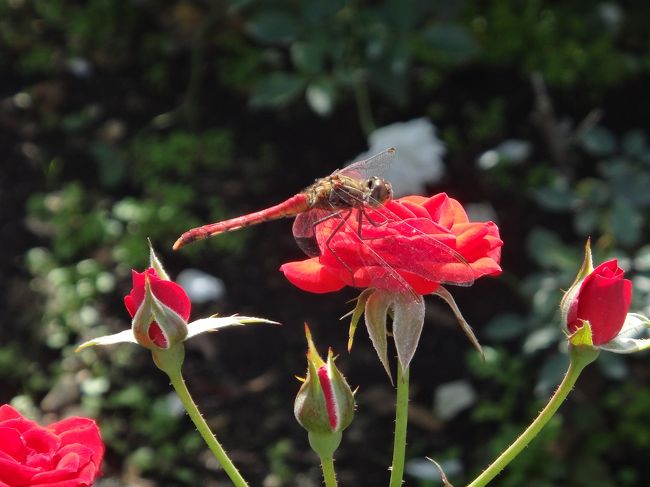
x: 304, y: 226
x: 342, y: 227
x: 373, y: 166
x: 420, y: 246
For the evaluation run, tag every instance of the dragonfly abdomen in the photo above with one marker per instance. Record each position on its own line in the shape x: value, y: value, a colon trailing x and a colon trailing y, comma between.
x: 291, y: 207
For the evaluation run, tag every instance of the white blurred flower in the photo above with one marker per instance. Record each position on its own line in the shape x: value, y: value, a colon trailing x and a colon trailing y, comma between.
x: 418, y: 161
x: 511, y: 151
x: 201, y: 287
x: 452, y: 397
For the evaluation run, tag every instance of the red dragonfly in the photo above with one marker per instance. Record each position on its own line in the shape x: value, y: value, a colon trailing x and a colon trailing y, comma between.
x: 354, y: 197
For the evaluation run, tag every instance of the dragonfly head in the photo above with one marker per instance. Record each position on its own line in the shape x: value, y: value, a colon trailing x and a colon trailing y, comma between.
x: 379, y: 191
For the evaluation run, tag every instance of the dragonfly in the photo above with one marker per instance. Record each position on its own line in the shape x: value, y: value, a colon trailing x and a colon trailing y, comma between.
x: 354, y: 199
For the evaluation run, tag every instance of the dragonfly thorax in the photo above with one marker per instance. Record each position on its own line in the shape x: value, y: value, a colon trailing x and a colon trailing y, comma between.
x: 340, y: 192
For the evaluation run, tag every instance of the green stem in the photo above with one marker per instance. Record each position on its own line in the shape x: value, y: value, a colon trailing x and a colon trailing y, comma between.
x: 172, y: 369
x: 327, y: 464
x: 580, y: 358
x: 401, y: 420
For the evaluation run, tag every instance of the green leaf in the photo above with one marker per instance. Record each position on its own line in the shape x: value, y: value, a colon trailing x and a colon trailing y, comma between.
x: 546, y: 248
x: 551, y: 373
x: 586, y: 220
x: 613, y: 366
x: 635, y: 144
x: 624, y: 222
x: 505, y: 326
x: 556, y: 198
x: 453, y: 41
x: 274, y: 27
x: 308, y: 57
x: 277, y: 90
x: 599, y: 142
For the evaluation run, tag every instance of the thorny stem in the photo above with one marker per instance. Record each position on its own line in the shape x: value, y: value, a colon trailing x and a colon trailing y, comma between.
x: 401, y: 420
x: 327, y: 464
x: 579, y: 360
x: 170, y: 361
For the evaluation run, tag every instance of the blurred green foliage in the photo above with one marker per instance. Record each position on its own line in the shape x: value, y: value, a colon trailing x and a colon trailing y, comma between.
x: 122, y: 120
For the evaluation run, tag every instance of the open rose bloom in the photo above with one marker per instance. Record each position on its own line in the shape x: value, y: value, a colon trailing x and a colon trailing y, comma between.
x: 68, y: 453
x: 432, y: 242
x: 406, y: 251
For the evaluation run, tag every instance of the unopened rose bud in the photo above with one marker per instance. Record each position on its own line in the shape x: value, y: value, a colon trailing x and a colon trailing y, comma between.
x: 325, y: 402
x: 160, y: 309
x: 601, y: 296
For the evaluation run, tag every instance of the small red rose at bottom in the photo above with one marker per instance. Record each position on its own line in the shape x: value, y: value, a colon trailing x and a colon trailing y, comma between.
x: 68, y: 453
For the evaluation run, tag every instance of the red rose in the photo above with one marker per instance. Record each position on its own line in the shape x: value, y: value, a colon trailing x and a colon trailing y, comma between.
x: 440, y: 217
x: 603, y: 299
x: 167, y: 292
x: 64, y: 454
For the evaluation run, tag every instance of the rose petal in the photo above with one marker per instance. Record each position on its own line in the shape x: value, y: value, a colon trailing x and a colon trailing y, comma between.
x: 310, y: 275
x: 67, y: 453
x: 172, y: 295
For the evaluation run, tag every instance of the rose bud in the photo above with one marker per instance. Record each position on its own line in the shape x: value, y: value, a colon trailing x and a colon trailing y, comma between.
x: 160, y: 309
x: 325, y: 403
x: 601, y: 296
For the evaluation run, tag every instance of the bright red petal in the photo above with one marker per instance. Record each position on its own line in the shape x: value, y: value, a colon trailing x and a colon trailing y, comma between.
x: 172, y: 295
x: 311, y: 276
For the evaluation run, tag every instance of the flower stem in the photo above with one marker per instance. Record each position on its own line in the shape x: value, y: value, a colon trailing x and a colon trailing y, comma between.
x: 170, y: 361
x: 327, y: 464
x: 401, y: 420
x: 580, y: 358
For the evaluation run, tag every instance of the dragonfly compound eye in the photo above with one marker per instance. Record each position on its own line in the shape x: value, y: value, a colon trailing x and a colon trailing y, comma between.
x: 380, y: 190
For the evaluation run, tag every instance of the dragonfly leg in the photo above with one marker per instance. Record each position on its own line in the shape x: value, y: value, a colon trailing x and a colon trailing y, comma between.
x: 362, y: 213
x: 370, y: 220
x: 331, y: 236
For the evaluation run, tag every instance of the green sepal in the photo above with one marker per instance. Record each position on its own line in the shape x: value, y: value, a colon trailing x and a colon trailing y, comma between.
x: 582, y: 337
x: 172, y: 325
x: 586, y: 268
x: 155, y: 263
x: 376, y: 308
x: 467, y: 329
x: 357, y: 313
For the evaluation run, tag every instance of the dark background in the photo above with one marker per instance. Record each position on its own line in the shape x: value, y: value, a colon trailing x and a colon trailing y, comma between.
x: 121, y: 120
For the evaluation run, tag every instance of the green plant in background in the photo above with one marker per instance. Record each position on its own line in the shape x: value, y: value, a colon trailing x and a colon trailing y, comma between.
x: 566, y: 42
x: 332, y: 51
x: 125, y: 120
